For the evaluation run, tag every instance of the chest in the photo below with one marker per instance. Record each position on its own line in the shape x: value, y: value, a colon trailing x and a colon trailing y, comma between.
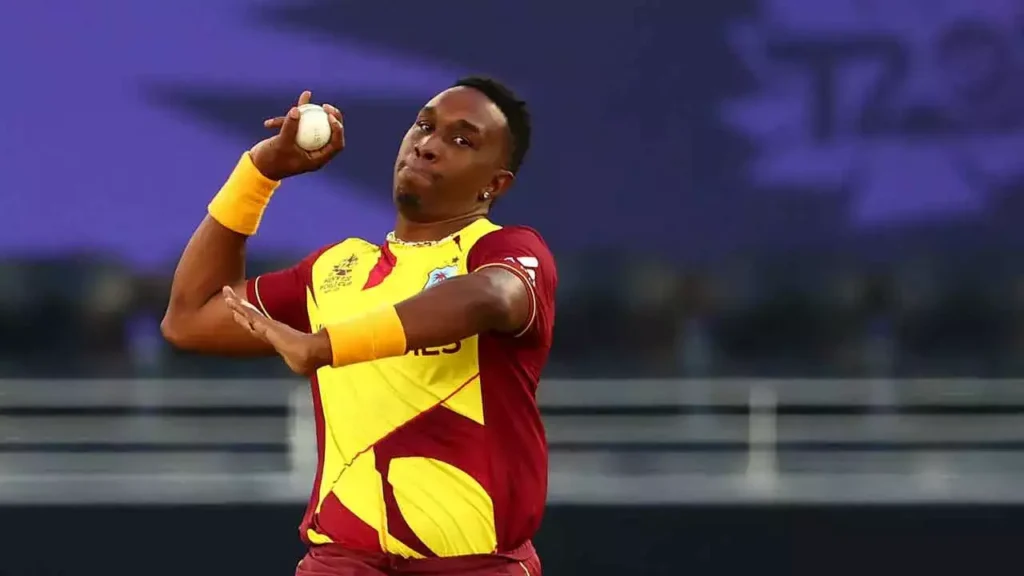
x: 353, y: 283
x: 397, y: 388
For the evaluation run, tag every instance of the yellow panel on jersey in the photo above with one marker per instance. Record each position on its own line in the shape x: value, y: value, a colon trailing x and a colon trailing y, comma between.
x: 365, y: 403
x: 427, y: 515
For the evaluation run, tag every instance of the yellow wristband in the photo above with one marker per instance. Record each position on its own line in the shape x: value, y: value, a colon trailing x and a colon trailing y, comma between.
x: 242, y: 199
x: 378, y: 334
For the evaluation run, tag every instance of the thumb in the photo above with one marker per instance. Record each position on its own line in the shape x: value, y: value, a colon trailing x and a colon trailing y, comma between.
x: 290, y: 127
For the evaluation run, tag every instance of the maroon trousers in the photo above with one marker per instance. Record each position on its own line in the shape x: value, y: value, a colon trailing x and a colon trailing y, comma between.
x: 333, y: 560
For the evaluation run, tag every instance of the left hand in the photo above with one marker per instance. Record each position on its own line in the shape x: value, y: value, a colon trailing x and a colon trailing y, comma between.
x: 304, y: 353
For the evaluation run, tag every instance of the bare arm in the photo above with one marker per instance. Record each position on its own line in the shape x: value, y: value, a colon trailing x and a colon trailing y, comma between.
x: 197, y: 318
x: 489, y: 300
x: 510, y: 291
x: 500, y: 295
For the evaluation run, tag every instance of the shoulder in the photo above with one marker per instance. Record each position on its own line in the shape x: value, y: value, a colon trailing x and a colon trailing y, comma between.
x: 516, y: 233
x: 512, y: 238
x: 519, y: 247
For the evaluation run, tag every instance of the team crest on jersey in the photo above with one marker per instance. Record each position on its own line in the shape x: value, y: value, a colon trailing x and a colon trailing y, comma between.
x: 438, y: 275
x: 340, y: 276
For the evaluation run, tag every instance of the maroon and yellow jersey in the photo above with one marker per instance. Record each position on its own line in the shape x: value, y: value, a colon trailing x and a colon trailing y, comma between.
x: 440, y: 452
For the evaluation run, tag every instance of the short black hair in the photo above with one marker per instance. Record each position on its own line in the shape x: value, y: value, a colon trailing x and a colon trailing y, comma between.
x: 515, y: 112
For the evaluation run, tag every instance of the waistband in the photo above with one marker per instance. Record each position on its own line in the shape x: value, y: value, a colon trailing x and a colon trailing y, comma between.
x: 426, y: 565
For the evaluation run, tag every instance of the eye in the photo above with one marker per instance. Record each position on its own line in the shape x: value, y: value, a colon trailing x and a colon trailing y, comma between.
x: 461, y: 141
x: 425, y: 126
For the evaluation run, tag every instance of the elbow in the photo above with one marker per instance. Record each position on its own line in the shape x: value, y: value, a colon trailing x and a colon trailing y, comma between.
x: 496, y: 307
x: 174, y: 331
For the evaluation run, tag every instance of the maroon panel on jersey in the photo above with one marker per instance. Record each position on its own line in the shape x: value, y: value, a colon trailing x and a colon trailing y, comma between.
x: 385, y: 264
x: 309, y: 517
x: 334, y: 518
x: 334, y: 560
x: 281, y: 295
x: 439, y: 434
x: 509, y: 373
x: 522, y: 251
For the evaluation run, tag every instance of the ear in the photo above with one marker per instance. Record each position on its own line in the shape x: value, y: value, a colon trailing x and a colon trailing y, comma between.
x: 499, y: 184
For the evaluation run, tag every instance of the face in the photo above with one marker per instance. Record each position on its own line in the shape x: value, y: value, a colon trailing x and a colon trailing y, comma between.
x: 455, y: 151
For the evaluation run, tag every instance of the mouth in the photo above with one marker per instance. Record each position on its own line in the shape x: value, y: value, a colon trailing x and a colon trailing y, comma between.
x: 419, y: 171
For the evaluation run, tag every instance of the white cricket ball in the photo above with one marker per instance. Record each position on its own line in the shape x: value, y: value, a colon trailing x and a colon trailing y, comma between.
x: 314, y: 127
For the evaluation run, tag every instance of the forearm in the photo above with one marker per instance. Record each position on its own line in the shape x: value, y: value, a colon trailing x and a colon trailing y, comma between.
x: 196, y: 318
x: 213, y: 258
x: 452, y: 311
x: 486, y: 301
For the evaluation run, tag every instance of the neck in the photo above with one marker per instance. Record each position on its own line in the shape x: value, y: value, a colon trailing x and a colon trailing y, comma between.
x: 411, y: 231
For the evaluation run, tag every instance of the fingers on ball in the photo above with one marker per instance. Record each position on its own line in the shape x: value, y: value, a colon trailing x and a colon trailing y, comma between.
x: 334, y: 112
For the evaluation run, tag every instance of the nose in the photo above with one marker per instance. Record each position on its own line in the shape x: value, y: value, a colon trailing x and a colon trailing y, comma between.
x: 426, y: 149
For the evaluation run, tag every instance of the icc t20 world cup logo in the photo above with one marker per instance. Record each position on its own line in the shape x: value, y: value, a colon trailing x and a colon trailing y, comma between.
x: 913, y: 107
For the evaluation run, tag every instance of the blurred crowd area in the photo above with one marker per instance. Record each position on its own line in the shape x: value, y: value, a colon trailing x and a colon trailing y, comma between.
x: 797, y: 316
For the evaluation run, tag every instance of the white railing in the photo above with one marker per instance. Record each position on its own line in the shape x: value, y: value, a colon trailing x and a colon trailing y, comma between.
x: 613, y: 441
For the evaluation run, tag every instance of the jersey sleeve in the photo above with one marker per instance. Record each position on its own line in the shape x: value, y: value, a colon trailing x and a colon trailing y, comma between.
x: 281, y: 295
x: 523, y: 252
